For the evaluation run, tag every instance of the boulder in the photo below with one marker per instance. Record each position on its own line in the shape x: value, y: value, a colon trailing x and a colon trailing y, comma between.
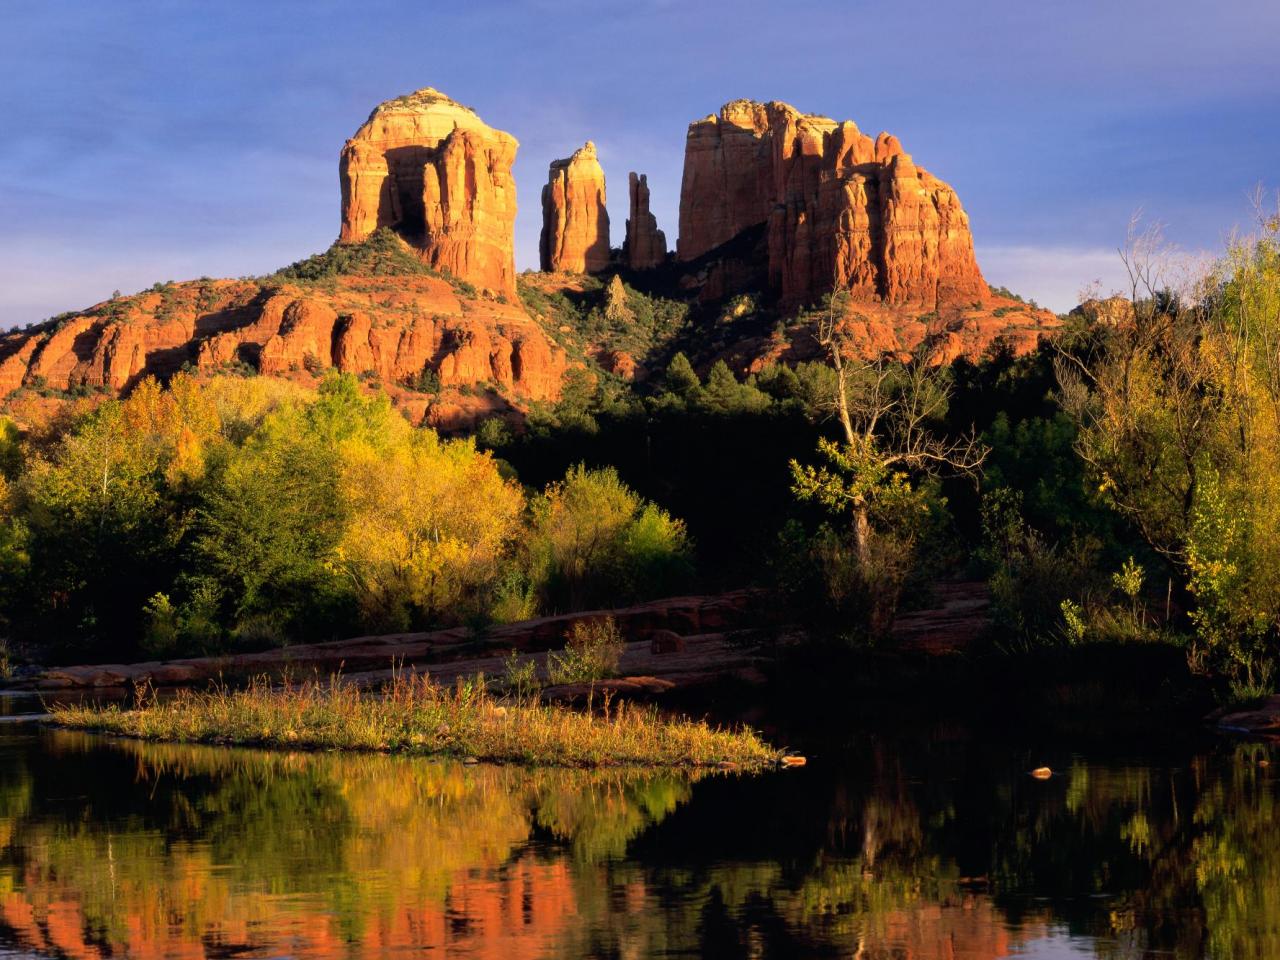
x: 665, y: 641
x: 1111, y: 311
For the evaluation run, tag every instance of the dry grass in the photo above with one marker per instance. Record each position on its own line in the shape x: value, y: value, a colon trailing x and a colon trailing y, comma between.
x: 413, y: 715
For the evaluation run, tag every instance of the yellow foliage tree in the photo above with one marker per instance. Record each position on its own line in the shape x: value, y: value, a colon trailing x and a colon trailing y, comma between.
x: 430, y: 522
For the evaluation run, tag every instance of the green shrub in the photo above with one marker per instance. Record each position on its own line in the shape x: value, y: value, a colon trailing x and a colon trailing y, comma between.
x: 592, y: 652
x: 426, y: 381
x: 383, y: 253
x: 520, y: 677
x: 595, y: 542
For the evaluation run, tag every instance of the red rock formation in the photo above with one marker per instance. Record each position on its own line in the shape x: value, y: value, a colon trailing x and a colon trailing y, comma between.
x: 620, y: 363
x: 645, y: 245
x: 842, y: 211
x: 728, y: 178
x: 575, y: 223
x: 435, y: 172
x: 304, y: 337
x: 16, y: 351
x: 423, y: 165
x: 393, y: 328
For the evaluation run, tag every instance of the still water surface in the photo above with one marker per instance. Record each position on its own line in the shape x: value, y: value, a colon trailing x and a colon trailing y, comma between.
x: 934, y: 848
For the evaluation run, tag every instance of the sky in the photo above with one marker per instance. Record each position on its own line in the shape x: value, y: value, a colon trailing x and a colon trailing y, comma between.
x: 147, y: 140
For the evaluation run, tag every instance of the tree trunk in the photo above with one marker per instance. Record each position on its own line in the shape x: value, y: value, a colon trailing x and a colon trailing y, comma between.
x: 862, y: 536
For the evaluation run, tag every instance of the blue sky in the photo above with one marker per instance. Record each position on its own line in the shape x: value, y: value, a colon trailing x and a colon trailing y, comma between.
x: 147, y: 140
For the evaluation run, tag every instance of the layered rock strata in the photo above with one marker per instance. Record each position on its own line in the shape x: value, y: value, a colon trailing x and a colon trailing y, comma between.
x: 390, y: 329
x: 841, y: 210
x: 575, y: 222
x: 433, y: 171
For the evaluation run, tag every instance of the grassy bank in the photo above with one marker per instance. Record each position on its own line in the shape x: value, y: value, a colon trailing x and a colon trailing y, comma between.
x: 413, y: 715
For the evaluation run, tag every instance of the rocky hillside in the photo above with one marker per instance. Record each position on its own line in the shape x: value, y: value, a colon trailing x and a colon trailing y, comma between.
x: 420, y: 294
x: 446, y: 353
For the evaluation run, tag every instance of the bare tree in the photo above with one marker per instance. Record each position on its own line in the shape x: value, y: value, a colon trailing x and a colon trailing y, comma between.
x: 887, y: 410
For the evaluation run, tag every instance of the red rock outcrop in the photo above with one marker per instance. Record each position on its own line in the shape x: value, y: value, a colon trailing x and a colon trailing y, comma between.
x: 391, y: 328
x: 645, y: 245
x: 304, y: 337
x: 620, y: 363
x: 727, y: 186
x: 575, y: 223
x: 427, y: 168
x: 433, y: 171
x: 842, y: 211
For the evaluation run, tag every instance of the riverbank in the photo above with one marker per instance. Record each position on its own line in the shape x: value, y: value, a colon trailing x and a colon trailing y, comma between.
x: 732, y: 657
x: 411, y: 714
x: 717, y: 634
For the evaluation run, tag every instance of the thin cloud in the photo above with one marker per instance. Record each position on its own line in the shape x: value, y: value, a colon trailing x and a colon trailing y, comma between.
x: 1053, y: 276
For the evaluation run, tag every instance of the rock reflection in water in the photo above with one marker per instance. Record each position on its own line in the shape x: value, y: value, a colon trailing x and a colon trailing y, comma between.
x: 120, y: 848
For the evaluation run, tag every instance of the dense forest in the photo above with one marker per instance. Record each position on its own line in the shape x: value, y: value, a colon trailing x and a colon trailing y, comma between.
x: 1114, y: 486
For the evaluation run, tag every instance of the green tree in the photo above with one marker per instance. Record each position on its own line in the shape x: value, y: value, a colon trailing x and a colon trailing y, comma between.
x: 724, y: 394
x: 596, y: 542
x: 681, y: 379
x: 106, y: 512
x: 1178, y: 411
x: 273, y: 516
x: 10, y: 449
x: 888, y: 413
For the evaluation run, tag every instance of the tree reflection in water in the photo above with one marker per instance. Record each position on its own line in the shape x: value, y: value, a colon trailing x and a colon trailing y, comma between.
x: 121, y: 848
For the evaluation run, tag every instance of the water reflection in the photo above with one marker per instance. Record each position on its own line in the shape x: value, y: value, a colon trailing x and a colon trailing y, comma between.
x: 119, y: 848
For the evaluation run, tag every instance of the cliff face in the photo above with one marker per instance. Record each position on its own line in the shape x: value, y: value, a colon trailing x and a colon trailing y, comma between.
x: 575, y: 223
x: 645, y: 246
x: 727, y: 186
x: 841, y: 211
x: 433, y: 171
x: 391, y: 329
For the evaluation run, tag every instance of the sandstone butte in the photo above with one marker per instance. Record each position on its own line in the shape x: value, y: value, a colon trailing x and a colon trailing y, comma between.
x: 423, y: 166
x: 839, y: 210
x: 433, y: 171
x: 772, y: 201
x: 575, y: 223
x: 645, y: 246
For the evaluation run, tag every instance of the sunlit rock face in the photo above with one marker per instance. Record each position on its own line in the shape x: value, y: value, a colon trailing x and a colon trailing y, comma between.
x: 575, y: 223
x: 389, y: 330
x: 432, y: 170
x: 841, y: 210
x: 423, y: 167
